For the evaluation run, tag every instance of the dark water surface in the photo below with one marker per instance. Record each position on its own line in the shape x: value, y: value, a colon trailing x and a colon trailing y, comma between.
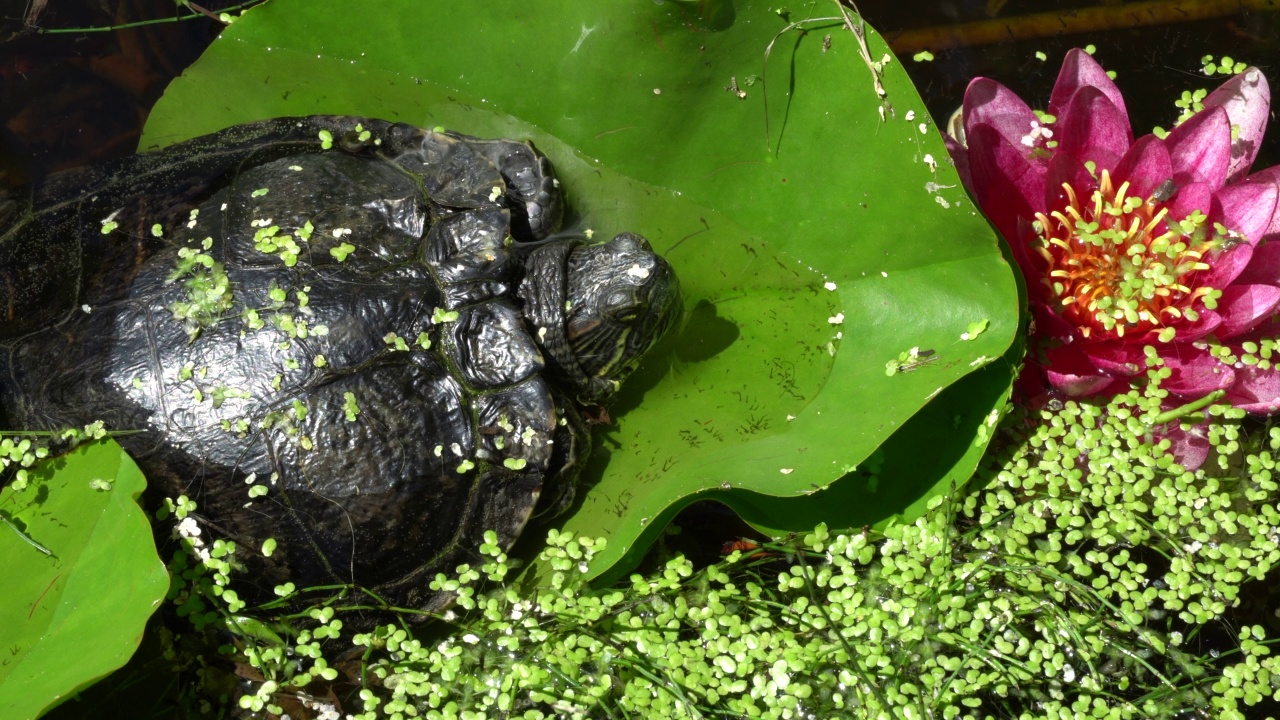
x: 67, y: 99
x: 71, y: 98
x: 1153, y: 63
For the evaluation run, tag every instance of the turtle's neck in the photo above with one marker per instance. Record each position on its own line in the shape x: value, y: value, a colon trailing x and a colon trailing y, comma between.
x: 543, y: 291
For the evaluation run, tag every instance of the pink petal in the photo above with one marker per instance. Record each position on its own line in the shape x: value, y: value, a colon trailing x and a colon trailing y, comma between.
x: 1049, y: 324
x: 1188, y: 199
x: 1190, y: 447
x: 1080, y: 70
x: 1115, y: 357
x: 1255, y: 390
x: 1270, y: 175
x: 1008, y: 186
x: 1247, y: 100
x: 1070, y: 371
x: 1200, y: 148
x: 987, y: 102
x: 1247, y: 208
x: 1268, y: 329
x: 1264, y: 268
x: 1145, y: 166
x: 1195, y: 373
x: 1093, y: 128
x: 1244, y: 306
x: 1207, y: 322
x: 1065, y: 169
x: 1227, y: 266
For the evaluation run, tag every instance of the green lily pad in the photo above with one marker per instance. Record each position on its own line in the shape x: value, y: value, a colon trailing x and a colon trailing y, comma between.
x: 818, y: 239
x: 81, y: 575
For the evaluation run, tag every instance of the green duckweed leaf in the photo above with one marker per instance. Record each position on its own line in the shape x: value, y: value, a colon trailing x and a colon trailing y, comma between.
x: 816, y: 238
x: 77, y: 613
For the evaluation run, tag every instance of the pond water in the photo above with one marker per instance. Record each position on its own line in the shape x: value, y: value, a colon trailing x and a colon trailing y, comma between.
x: 1153, y: 63
x: 77, y: 97
x: 71, y: 98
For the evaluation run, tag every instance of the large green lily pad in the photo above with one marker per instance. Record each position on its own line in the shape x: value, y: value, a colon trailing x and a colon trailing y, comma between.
x: 81, y: 577
x: 816, y: 239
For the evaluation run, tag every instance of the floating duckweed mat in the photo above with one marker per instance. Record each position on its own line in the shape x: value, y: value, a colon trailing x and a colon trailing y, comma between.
x: 1090, y: 577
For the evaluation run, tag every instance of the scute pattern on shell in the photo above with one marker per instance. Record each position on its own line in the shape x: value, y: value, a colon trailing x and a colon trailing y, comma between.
x: 382, y: 463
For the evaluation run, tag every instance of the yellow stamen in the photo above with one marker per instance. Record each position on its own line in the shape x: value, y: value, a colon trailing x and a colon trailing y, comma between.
x: 1124, y: 188
x: 1071, y: 195
x: 1133, y: 228
x: 1151, y: 226
x: 1116, y: 266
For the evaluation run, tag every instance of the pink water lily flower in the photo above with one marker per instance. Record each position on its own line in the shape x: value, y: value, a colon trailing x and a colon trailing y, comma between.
x: 1162, y: 242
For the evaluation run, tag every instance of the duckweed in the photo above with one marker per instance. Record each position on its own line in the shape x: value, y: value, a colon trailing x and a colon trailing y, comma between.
x: 1083, y: 574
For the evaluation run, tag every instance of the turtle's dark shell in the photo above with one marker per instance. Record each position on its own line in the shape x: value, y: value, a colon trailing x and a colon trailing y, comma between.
x: 344, y: 350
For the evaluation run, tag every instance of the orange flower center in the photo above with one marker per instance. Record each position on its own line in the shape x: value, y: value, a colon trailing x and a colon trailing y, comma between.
x: 1119, y: 266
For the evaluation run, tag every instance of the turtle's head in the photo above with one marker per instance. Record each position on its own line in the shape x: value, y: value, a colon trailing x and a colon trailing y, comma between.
x: 618, y: 299
x: 621, y: 297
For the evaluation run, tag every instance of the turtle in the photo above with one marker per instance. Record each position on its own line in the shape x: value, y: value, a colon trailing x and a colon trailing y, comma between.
x: 362, y: 340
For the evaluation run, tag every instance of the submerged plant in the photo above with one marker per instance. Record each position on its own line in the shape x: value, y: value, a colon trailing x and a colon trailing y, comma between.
x: 1163, y: 242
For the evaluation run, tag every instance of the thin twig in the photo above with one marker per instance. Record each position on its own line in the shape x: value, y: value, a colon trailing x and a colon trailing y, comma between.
x: 202, y: 11
x: 197, y: 12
